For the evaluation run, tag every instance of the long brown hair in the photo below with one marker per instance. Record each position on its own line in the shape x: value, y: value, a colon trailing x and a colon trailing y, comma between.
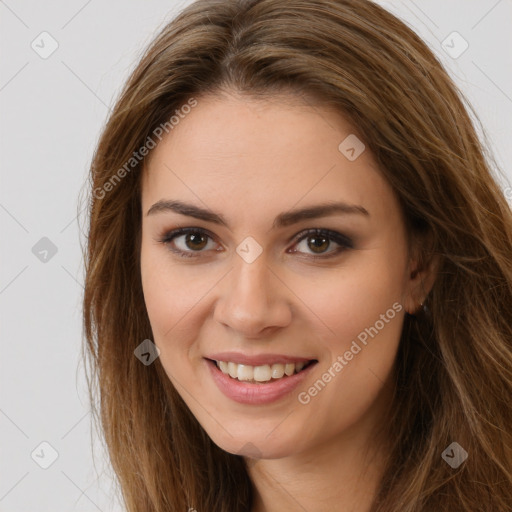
x: 454, y: 367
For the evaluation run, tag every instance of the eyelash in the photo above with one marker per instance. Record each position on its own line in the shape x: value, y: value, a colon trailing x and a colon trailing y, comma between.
x: 343, y: 241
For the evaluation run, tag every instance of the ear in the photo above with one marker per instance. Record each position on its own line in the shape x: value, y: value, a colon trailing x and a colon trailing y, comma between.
x: 422, y: 272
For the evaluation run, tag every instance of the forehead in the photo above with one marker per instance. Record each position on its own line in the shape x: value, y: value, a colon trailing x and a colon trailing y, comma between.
x: 257, y: 154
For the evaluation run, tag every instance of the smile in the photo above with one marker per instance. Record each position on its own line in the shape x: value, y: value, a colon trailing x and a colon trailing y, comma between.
x: 262, y: 373
x: 261, y: 383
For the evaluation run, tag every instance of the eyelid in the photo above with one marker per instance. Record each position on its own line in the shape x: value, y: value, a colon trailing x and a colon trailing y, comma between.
x: 343, y: 241
x: 339, y: 238
x: 169, y: 236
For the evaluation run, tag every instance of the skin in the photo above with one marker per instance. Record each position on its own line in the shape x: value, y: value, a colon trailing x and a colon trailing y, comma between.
x: 250, y: 160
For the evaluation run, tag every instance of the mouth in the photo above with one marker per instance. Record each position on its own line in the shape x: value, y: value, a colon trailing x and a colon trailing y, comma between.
x: 261, y: 374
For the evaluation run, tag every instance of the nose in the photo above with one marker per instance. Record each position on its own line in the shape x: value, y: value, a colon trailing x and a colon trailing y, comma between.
x: 253, y: 299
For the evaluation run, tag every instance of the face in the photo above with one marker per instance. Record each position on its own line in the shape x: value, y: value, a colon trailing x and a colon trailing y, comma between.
x: 242, y: 262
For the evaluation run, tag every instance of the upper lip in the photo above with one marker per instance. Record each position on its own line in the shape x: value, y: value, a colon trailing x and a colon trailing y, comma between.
x: 257, y: 360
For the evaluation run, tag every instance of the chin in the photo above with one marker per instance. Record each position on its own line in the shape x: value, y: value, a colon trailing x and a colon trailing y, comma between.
x: 255, y: 439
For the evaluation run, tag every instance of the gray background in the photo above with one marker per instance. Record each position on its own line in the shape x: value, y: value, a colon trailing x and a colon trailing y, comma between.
x: 52, y: 110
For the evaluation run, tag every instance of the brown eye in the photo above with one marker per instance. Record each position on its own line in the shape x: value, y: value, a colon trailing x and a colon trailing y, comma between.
x: 192, y: 242
x: 196, y: 241
x: 317, y: 243
x: 188, y: 242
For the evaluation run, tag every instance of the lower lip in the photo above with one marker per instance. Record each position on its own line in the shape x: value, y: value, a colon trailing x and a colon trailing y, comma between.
x: 256, y: 394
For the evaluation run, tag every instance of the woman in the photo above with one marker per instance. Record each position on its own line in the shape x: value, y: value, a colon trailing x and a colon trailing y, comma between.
x: 299, y: 277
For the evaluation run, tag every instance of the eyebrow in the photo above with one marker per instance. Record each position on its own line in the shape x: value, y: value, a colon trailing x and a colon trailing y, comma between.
x: 282, y: 220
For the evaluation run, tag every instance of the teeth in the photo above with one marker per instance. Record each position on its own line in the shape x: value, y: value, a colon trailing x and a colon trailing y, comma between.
x: 232, y: 370
x: 289, y: 369
x: 245, y: 372
x: 262, y: 373
x: 299, y: 366
x: 277, y: 371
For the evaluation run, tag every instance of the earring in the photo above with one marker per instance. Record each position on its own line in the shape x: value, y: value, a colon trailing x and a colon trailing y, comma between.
x: 424, y: 307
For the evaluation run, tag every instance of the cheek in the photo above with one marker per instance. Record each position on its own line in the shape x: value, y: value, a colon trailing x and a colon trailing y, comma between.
x: 351, y: 299
x: 363, y: 311
x: 167, y: 305
x: 168, y: 294
x: 176, y: 297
